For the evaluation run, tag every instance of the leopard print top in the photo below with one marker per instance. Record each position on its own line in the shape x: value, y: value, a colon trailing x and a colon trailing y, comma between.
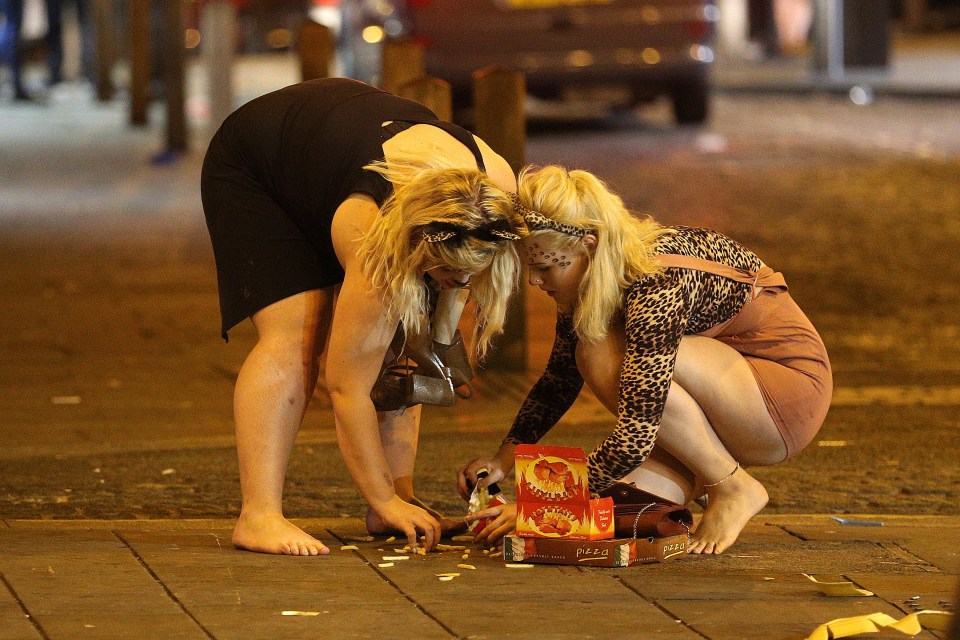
x: 658, y: 311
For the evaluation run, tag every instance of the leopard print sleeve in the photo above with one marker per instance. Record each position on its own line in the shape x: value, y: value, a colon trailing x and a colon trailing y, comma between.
x: 656, y: 314
x: 554, y: 392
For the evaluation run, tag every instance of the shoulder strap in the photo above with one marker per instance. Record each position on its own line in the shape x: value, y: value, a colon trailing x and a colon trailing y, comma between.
x: 766, y: 277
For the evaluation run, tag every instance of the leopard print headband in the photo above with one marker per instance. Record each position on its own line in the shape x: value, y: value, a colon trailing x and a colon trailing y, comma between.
x: 455, y: 234
x: 536, y: 221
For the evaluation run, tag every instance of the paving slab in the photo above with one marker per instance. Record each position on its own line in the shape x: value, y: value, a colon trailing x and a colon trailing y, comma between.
x: 236, y: 594
x: 771, y: 620
x: 14, y: 622
x: 542, y: 601
x: 87, y: 583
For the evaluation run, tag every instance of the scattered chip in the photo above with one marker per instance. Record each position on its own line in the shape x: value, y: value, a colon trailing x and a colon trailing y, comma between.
x: 465, y: 566
x: 446, y: 578
x: 392, y: 539
x: 299, y: 613
x: 349, y: 547
x: 392, y: 558
x: 384, y: 565
x: 519, y: 565
x: 462, y: 538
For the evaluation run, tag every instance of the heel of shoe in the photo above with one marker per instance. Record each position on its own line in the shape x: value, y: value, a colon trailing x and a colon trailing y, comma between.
x: 454, y: 357
x: 399, y: 387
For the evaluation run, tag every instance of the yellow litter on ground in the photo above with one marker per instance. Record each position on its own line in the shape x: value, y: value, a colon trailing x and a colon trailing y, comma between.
x: 349, y: 547
x: 874, y: 622
x: 841, y: 589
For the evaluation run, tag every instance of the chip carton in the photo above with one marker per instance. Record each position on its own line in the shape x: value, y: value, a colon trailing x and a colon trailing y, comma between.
x: 617, y: 552
x: 553, y: 497
x: 550, y: 474
x: 590, y: 521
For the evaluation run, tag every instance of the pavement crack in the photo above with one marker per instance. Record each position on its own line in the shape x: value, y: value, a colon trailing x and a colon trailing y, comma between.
x: 662, y: 609
x: 166, y: 589
x: 23, y: 607
x: 790, y: 532
x: 406, y: 596
x: 896, y: 549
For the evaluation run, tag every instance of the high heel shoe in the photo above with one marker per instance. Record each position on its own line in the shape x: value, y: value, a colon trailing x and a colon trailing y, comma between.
x: 402, y: 385
x: 399, y: 387
x: 454, y: 357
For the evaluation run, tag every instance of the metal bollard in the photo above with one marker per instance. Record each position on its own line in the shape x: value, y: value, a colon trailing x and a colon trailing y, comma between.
x: 402, y: 62
x: 105, y: 39
x: 316, y: 49
x: 174, y: 77
x: 219, y: 28
x: 500, y: 120
x: 433, y: 93
x: 139, y: 61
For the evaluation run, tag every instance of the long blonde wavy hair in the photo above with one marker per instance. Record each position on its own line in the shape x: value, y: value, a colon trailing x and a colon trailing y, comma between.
x: 395, y: 255
x: 625, y: 242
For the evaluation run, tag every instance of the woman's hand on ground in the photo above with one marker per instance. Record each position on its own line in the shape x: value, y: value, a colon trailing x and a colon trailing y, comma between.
x: 503, y: 520
x: 412, y: 521
x: 467, y: 475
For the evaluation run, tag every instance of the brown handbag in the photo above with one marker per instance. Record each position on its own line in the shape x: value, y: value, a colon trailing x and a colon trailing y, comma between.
x: 640, y: 514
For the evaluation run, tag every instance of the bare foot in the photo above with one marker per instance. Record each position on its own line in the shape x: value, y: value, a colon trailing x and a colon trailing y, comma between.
x: 272, y: 533
x: 730, y: 507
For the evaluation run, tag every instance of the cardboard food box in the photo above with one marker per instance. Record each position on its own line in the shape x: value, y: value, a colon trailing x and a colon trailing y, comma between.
x: 590, y: 521
x: 549, y: 474
x: 619, y: 552
x: 553, y: 497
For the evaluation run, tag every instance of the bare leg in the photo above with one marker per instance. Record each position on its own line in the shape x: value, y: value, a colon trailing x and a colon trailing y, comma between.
x: 275, y: 384
x: 660, y: 474
x: 714, y: 418
x: 399, y: 434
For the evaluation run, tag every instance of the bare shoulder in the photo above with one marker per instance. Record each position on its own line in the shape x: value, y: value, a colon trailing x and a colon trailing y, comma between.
x: 350, y: 223
x: 428, y: 139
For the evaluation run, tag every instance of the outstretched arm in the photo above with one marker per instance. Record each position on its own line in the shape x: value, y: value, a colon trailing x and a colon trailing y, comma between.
x: 360, y: 336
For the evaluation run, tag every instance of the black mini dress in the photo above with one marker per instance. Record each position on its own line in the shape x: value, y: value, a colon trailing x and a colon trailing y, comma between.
x: 275, y: 174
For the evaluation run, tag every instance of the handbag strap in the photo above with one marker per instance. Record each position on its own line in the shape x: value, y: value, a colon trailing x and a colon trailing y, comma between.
x: 636, y: 520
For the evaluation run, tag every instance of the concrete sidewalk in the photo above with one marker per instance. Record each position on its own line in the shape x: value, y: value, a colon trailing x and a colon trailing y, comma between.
x: 182, y: 579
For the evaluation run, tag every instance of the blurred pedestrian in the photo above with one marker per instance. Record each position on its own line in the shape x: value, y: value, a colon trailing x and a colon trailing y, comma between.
x: 332, y: 206
x: 11, y: 12
x: 54, y: 39
x: 684, y: 335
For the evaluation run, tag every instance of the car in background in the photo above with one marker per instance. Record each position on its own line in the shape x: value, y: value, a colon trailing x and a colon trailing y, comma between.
x: 624, y: 51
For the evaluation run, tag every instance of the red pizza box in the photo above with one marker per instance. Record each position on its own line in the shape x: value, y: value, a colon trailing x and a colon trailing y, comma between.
x: 618, y: 552
x: 591, y: 521
x: 549, y: 474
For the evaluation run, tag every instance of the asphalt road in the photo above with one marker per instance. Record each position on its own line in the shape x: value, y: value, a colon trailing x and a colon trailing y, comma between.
x: 115, y: 398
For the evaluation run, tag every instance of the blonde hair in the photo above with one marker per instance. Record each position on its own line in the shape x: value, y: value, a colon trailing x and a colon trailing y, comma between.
x: 395, y: 254
x: 625, y: 242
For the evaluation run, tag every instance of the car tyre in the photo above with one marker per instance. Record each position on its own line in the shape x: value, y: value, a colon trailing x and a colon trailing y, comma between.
x: 691, y: 101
